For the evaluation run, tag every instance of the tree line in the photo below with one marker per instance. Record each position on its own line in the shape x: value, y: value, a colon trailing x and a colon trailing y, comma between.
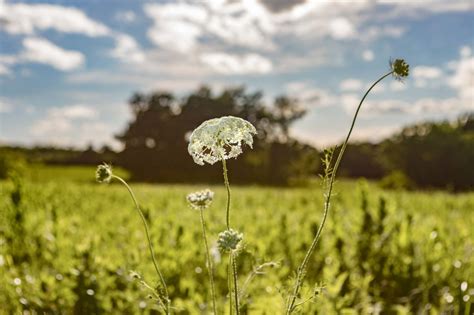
x: 427, y: 155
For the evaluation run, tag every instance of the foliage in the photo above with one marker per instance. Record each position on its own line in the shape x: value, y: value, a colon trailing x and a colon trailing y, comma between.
x: 396, y: 180
x: 62, y: 155
x: 435, y: 154
x: 390, y: 251
x: 424, y: 155
x: 148, y: 139
x: 11, y: 164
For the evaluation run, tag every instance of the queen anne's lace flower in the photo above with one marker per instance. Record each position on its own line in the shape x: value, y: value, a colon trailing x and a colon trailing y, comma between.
x: 220, y: 138
x: 229, y: 240
x: 103, y: 174
x: 400, y: 69
x: 200, y: 199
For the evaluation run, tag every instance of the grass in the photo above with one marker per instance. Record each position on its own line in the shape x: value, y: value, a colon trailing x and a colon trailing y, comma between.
x: 69, y: 245
x: 82, y: 174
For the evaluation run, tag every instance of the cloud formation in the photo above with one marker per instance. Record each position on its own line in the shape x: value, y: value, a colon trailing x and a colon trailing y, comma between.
x: 19, y: 18
x: 235, y: 64
x: 79, y: 124
x: 463, y: 78
x: 40, y: 50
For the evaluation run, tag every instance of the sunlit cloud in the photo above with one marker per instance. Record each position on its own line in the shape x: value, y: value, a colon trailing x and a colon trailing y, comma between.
x: 40, y: 50
x: 234, y: 64
x: 351, y: 85
x: 368, y: 55
x: 29, y: 18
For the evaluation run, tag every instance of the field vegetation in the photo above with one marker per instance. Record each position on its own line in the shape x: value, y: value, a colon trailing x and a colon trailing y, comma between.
x: 68, y: 246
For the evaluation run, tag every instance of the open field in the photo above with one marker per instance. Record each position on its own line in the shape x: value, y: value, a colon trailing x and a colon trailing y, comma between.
x: 67, y: 245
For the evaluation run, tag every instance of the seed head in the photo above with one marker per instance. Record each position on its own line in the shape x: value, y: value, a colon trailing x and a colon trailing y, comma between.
x: 229, y: 240
x: 103, y: 174
x: 400, y: 69
x: 200, y: 199
x: 220, y: 138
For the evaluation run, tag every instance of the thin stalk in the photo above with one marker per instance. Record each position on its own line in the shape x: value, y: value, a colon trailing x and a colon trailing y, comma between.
x: 231, y: 256
x: 229, y: 285
x: 209, y: 264
x: 152, y: 253
x: 227, y: 186
x: 255, y: 272
x: 236, y: 289
x: 302, y: 269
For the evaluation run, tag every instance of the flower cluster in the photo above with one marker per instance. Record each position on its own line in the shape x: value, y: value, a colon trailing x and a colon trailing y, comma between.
x: 220, y: 138
x: 229, y: 240
x: 200, y: 199
x: 103, y: 174
x: 400, y: 69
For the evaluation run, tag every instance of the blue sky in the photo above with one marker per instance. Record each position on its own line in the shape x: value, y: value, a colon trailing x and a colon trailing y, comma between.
x: 67, y: 68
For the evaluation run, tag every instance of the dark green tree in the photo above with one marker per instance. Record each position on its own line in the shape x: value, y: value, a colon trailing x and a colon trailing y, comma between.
x: 155, y: 141
x: 437, y: 155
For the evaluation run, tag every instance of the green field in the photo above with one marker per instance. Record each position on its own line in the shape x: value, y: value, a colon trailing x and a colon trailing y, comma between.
x: 67, y: 245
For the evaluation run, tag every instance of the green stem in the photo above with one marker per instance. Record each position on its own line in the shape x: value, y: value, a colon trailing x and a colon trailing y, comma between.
x: 302, y: 269
x: 152, y: 253
x: 231, y: 256
x: 236, y: 289
x: 209, y: 264
x: 227, y: 186
x: 229, y: 285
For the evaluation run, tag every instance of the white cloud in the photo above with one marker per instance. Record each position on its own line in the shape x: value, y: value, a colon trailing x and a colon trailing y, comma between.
x: 379, y: 88
x: 40, y: 50
x: 176, y: 26
x: 465, y: 51
x: 28, y: 18
x: 6, y: 61
x: 182, y: 26
x: 408, y: 7
x: 4, y: 70
x: 5, y: 107
x: 424, y: 75
x: 368, y: 55
x: 426, y: 72
x: 73, y: 112
x: 70, y: 125
x: 446, y: 106
x: 235, y: 64
x: 463, y: 78
x: 351, y: 85
x: 341, y: 28
x: 127, y: 49
x: 397, y: 85
x: 308, y: 95
x: 126, y: 16
x: 374, y: 32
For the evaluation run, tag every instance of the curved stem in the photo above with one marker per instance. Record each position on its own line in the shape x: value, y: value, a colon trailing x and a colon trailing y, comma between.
x: 227, y: 186
x: 152, y: 253
x: 209, y: 264
x: 302, y: 269
x: 236, y: 289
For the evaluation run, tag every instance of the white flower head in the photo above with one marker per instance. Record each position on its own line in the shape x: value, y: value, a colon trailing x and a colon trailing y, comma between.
x: 200, y: 199
x: 220, y: 138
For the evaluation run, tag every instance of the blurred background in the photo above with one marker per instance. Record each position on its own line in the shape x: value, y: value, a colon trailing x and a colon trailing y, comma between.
x: 125, y: 82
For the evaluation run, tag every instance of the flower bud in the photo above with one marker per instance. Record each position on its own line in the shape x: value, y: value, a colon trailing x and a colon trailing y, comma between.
x: 200, y: 199
x: 103, y: 174
x: 400, y: 68
x: 229, y: 240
